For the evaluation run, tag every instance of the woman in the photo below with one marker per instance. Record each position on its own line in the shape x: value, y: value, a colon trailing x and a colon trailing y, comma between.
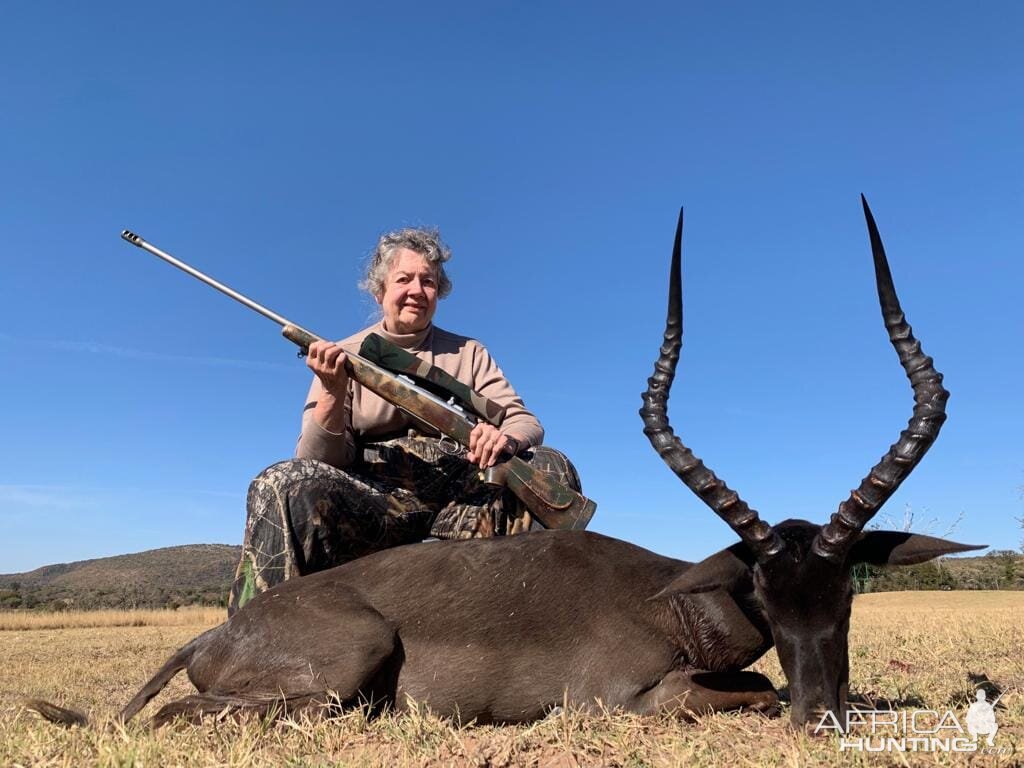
x: 364, y: 477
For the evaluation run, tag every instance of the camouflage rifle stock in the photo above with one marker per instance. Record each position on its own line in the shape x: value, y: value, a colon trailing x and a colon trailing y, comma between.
x: 553, y: 504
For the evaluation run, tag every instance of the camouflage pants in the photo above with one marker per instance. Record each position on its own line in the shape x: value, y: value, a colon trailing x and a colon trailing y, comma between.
x: 305, y: 516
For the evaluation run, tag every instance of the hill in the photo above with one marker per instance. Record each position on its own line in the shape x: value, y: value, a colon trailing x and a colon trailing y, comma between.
x: 195, y: 574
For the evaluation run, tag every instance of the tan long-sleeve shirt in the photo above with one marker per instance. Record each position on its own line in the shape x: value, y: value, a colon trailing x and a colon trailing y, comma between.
x: 369, y: 417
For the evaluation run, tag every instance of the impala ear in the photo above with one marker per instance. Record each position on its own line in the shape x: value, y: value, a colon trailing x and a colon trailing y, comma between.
x: 729, y: 569
x: 899, y: 548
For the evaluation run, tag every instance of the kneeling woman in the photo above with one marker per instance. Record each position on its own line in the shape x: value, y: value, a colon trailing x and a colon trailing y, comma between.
x: 364, y: 478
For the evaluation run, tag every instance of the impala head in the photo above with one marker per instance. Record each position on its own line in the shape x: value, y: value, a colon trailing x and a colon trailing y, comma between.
x: 800, y: 571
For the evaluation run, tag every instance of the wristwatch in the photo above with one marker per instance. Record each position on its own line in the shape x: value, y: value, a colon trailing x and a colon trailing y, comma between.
x: 511, y: 445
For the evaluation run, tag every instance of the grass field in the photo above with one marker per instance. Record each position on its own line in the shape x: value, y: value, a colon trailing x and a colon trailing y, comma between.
x: 916, y: 650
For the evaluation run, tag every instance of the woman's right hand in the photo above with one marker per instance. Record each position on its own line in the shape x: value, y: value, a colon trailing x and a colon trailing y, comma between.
x: 327, y: 361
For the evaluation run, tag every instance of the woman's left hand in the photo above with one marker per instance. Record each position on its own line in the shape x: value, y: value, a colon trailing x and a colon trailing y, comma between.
x: 486, y: 445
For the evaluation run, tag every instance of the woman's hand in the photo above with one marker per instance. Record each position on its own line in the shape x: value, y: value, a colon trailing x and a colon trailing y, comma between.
x: 486, y: 444
x: 327, y: 361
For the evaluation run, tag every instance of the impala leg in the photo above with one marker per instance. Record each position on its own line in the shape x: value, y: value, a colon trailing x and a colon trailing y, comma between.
x: 697, y: 692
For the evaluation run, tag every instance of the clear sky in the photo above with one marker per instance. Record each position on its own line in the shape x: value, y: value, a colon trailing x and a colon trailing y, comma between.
x: 553, y: 143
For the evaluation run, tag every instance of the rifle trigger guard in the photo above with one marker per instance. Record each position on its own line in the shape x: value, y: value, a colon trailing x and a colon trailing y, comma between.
x: 454, y: 450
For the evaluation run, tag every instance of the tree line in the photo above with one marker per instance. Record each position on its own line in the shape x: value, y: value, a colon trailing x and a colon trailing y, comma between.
x: 132, y: 596
x: 1000, y: 569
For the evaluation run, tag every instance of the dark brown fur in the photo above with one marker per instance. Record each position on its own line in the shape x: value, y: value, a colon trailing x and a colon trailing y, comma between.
x: 540, y: 618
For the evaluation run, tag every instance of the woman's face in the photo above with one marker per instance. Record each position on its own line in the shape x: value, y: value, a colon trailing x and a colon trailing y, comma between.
x: 409, y: 297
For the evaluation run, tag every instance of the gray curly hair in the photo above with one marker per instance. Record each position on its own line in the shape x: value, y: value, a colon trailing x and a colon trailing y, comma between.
x: 426, y: 242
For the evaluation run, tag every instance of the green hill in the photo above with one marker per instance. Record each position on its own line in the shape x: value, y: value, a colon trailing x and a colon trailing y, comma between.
x: 196, y: 574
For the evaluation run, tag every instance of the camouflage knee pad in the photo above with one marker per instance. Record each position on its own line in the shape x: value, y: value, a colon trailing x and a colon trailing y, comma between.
x: 550, y: 462
x: 305, y: 516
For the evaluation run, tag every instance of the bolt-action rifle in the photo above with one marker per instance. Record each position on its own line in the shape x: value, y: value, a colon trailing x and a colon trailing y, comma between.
x: 553, y: 504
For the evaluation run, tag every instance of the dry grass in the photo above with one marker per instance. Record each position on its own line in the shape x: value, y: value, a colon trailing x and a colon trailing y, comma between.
x: 914, y: 649
x: 182, y: 617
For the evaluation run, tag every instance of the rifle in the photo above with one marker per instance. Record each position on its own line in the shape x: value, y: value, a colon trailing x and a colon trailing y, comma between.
x: 553, y: 504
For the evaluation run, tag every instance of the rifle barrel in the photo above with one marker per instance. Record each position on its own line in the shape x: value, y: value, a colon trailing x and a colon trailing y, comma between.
x: 134, y: 239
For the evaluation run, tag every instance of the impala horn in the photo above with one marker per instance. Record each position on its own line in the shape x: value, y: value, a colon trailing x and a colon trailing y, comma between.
x: 834, y: 540
x: 759, y: 537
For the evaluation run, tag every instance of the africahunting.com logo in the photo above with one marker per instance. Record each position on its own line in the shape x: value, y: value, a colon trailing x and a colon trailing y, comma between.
x: 917, y: 730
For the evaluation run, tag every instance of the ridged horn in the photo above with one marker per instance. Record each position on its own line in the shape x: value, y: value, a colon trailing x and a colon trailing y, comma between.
x: 838, y: 535
x: 762, y: 540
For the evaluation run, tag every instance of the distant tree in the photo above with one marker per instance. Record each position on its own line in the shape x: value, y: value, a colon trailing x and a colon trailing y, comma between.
x: 930, y: 575
x: 1020, y: 490
x: 1005, y: 574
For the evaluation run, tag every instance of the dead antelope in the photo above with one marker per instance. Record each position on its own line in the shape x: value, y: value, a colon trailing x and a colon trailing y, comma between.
x: 503, y: 630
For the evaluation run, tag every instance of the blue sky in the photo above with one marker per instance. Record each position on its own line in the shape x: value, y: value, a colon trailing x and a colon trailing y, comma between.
x: 270, y: 144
